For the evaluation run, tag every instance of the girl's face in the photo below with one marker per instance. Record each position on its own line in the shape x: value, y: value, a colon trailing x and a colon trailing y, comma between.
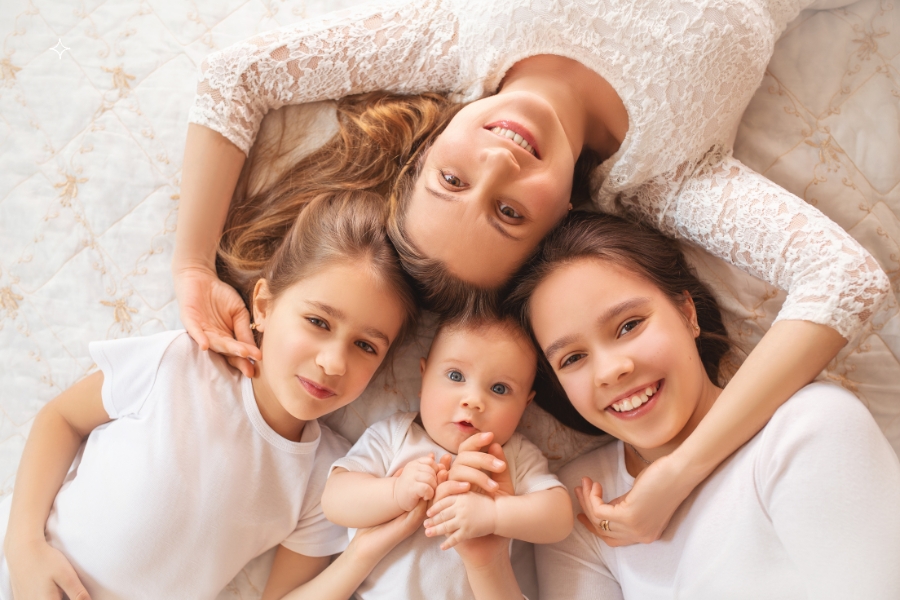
x: 324, y: 337
x: 623, y: 351
x: 482, y: 194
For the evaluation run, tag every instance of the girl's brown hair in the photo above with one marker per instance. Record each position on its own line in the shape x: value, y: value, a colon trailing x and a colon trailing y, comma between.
x: 332, y: 227
x: 379, y: 146
x: 637, y: 248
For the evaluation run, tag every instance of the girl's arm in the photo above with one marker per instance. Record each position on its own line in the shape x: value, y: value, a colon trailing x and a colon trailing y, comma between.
x: 317, y: 580
x: 834, y: 286
x: 408, y: 47
x: 36, y: 568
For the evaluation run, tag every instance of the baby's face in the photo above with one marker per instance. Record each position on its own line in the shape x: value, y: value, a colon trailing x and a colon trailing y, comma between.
x: 475, y: 381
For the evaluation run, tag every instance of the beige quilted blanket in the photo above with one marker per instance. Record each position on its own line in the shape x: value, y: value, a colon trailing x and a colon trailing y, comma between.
x: 94, y: 96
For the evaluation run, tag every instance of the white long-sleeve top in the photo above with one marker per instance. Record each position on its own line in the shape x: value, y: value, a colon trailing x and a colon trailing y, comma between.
x: 684, y: 69
x: 806, y: 509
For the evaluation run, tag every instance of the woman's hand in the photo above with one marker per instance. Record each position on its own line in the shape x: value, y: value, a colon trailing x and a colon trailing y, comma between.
x: 215, y: 316
x: 38, y: 571
x: 639, y: 516
x: 477, y: 467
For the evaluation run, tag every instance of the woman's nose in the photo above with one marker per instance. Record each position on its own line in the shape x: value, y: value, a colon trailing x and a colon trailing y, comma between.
x: 611, y: 368
x: 331, y: 360
x: 500, y: 164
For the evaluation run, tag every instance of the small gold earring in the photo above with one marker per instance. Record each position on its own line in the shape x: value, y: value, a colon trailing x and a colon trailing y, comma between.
x: 697, y: 328
x: 254, y: 326
x: 570, y: 206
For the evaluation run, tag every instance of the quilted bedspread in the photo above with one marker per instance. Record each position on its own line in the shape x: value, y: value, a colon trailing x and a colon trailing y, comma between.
x: 94, y: 96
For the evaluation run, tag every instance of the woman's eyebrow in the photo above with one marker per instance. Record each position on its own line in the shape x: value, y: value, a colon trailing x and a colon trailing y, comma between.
x: 607, y: 315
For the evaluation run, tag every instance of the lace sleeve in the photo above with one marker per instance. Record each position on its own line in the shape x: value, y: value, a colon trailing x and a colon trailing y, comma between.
x: 405, y: 46
x: 738, y: 215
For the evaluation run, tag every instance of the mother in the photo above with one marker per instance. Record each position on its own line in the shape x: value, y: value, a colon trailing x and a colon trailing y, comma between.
x: 652, y: 91
x: 806, y: 509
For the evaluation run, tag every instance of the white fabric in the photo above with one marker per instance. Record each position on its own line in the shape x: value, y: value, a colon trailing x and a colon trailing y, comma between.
x: 188, y: 482
x: 417, y: 568
x: 806, y: 509
x: 685, y: 72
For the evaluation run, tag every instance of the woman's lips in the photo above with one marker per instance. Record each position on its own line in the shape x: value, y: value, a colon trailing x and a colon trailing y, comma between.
x: 315, y: 390
x: 521, y: 130
x: 641, y: 410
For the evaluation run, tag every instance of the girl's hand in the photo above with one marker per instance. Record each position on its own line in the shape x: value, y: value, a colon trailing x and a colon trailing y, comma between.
x: 417, y: 481
x: 375, y: 542
x: 639, y: 516
x: 476, y: 467
x: 215, y: 316
x: 40, y: 572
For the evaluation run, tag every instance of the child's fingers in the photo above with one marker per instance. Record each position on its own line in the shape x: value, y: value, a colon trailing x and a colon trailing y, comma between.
x: 446, y: 461
x: 479, y: 460
x: 453, y: 540
x: 441, y: 505
x: 447, y: 526
x: 474, y: 477
x: 476, y: 442
x: 450, y: 488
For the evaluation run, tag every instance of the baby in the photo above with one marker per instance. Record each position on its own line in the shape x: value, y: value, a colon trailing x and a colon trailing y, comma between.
x: 476, y: 382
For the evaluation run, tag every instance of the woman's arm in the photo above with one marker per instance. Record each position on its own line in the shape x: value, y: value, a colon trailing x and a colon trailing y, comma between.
x: 833, y: 286
x: 341, y: 578
x: 59, y: 428
x: 407, y: 47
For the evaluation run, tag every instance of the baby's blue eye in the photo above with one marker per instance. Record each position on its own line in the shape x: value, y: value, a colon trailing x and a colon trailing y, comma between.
x: 456, y: 376
x: 499, y: 388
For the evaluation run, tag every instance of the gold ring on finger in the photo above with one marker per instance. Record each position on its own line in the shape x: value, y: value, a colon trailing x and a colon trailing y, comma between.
x: 604, y: 525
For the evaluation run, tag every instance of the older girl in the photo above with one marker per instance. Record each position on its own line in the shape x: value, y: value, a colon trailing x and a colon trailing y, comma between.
x: 188, y: 469
x: 806, y: 509
x: 643, y: 96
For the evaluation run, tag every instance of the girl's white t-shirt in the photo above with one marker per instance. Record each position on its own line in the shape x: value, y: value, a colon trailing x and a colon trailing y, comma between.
x: 187, y: 483
x: 807, y: 509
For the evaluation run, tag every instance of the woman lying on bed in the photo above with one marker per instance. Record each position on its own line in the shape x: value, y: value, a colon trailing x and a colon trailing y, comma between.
x: 643, y: 97
x: 806, y: 509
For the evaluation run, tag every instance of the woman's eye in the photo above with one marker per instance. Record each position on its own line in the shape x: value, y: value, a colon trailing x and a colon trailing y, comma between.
x: 628, y: 326
x: 367, y: 347
x: 508, y: 211
x: 499, y: 388
x: 317, y: 322
x: 452, y: 179
x: 571, y: 360
x: 455, y: 376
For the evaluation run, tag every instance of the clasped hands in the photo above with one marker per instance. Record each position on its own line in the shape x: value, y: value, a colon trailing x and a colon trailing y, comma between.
x: 462, y: 492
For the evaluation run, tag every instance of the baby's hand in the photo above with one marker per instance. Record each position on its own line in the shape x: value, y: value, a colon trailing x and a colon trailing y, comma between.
x: 461, y: 517
x: 472, y: 465
x: 417, y: 481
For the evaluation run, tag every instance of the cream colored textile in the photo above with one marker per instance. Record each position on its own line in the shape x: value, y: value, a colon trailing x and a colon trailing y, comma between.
x: 90, y: 161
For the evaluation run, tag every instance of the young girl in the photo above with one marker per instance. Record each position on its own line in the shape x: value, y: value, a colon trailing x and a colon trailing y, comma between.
x: 806, y: 509
x: 476, y: 382
x: 189, y: 469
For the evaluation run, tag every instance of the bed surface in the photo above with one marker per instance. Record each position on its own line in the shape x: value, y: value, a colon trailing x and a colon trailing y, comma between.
x: 91, y: 143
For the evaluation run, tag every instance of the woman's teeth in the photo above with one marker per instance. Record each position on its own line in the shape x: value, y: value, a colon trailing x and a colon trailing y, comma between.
x: 508, y: 133
x: 636, y: 400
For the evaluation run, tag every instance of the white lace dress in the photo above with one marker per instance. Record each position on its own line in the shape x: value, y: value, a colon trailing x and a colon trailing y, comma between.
x: 685, y: 71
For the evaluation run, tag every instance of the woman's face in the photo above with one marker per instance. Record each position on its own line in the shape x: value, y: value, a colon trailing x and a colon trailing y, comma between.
x: 622, y: 350
x: 483, y: 201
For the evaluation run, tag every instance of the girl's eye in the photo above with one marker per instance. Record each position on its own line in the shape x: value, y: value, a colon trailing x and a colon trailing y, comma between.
x: 456, y: 376
x: 367, y: 347
x: 628, y: 326
x: 508, y: 211
x: 452, y: 180
x: 499, y: 388
x: 571, y: 360
x: 317, y: 322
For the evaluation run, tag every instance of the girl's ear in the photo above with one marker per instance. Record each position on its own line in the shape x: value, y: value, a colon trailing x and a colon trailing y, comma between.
x: 530, y: 397
x: 261, y: 304
x: 690, y: 312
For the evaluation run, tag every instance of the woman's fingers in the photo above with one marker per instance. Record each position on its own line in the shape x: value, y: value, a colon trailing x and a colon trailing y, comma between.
x: 475, y: 443
x: 480, y: 460
x: 474, y: 477
x: 504, y: 477
x: 450, y: 488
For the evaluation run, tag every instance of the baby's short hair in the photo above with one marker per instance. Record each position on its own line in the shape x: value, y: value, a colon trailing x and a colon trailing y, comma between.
x: 506, y: 322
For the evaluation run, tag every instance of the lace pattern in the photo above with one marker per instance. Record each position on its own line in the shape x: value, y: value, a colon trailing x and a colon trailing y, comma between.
x: 684, y: 69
